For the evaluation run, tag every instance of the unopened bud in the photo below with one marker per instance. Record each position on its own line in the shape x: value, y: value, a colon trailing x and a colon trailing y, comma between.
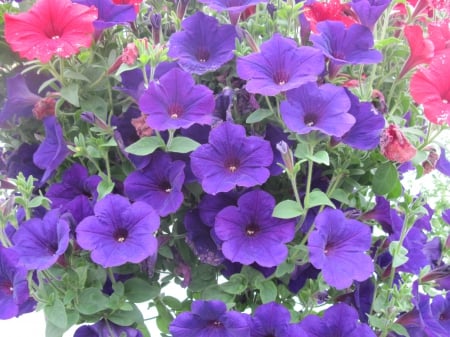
x: 430, y: 163
x: 44, y: 107
x: 286, y: 155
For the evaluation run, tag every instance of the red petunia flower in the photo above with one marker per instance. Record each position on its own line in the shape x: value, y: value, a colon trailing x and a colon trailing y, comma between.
x: 395, y: 146
x: 50, y: 27
x: 135, y: 3
x: 431, y: 88
x: 439, y: 33
x: 421, y: 49
x: 333, y: 10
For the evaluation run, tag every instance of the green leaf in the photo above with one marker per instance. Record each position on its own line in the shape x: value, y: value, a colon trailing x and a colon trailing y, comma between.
x: 287, y: 209
x: 267, y: 291
x: 56, y: 314
x: 398, y: 253
x: 164, y: 317
x: 386, y: 42
x: 172, y: 302
x: 138, y: 290
x: 320, y: 157
x: 104, y: 187
x: 51, y: 330
x: 385, y: 178
x: 284, y: 268
x: 399, y: 329
x: 258, y: 116
x: 236, y: 285
x: 75, y: 75
x: 319, y: 198
x: 126, y: 317
x: 145, y: 146
x: 91, y: 301
x: 182, y: 145
x: 70, y: 94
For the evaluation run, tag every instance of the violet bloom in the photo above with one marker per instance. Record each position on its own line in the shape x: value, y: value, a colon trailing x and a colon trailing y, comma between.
x: 76, y: 193
x: 338, y: 320
x: 338, y: 246
x: 231, y: 159
x: 158, y: 184
x: 119, y: 232
x: 233, y: 7
x: 204, y: 45
x: 250, y: 233
x: 176, y: 102
x: 21, y: 160
x: 312, y: 107
x: 369, y: 11
x: 280, y: 66
x: 273, y: 319
x: 210, y: 318
x: 14, y: 293
x: 211, y: 205
x: 109, y: 14
x: 106, y: 328
x: 443, y: 165
x: 365, y: 133
x: 440, y: 308
x: 40, y: 242
x: 53, y: 150
x: 353, y: 45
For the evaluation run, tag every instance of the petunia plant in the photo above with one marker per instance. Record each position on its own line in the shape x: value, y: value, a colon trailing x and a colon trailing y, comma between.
x: 261, y: 157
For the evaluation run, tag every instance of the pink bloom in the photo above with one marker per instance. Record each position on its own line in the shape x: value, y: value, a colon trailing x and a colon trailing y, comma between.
x: 439, y: 34
x: 50, y: 27
x: 135, y: 3
x: 395, y: 146
x: 333, y: 10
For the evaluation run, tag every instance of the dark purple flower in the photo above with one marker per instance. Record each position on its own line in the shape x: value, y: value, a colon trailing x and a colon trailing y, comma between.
x: 369, y: 11
x: 21, y: 160
x: 440, y: 307
x: 53, y: 150
x: 365, y: 133
x: 231, y: 159
x: 210, y: 318
x: 176, y: 102
x: 446, y: 215
x: 280, y: 66
x: 202, y: 240
x: 273, y: 319
x: 338, y: 320
x: 312, y: 107
x: 233, y: 7
x: 380, y: 213
x: 40, y: 242
x: 300, y: 275
x: 361, y: 298
x: 106, y: 328
x: 275, y: 135
x: 338, y: 246
x: 211, y: 205
x: 76, y: 193
x: 158, y: 184
x: 119, y: 232
x: 109, y: 14
x: 14, y: 294
x: 204, y: 45
x: 250, y: 233
x: 353, y: 45
x: 443, y: 165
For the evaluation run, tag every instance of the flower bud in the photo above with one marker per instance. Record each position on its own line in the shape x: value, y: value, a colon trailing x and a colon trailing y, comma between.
x: 44, y: 107
x: 286, y: 155
x: 395, y: 146
x: 430, y: 163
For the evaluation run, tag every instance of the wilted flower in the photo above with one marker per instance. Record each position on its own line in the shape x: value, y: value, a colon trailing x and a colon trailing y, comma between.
x: 395, y: 146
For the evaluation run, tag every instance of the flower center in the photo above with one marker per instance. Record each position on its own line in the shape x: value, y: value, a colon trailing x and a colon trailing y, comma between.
x: 310, y: 120
x: 120, y: 235
x: 445, y: 101
x: 55, y: 37
x: 232, y: 165
x: 6, y: 287
x: 175, y: 110
x: 280, y: 77
x: 216, y: 324
x: 251, y: 230
x: 166, y: 187
x: 202, y: 54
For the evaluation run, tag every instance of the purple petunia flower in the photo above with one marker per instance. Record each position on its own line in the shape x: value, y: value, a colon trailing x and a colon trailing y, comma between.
x: 233, y: 7
x: 443, y: 165
x: 76, y: 193
x: 210, y: 318
x: 203, y: 45
x: 211, y: 205
x: 440, y: 308
x: 14, y: 294
x: 250, y: 233
x: 177, y: 102
x: 119, y: 232
x: 231, y: 159
x: 369, y: 11
x: 21, y: 160
x: 338, y: 246
x: 40, y: 242
x: 365, y: 133
x: 312, y: 107
x: 160, y: 188
x: 273, y: 319
x: 106, y: 328
x: 53, y: 150
x: 109, y: 14
x: 353, y: 45
x: 338, y: 320
x: 280, y: 66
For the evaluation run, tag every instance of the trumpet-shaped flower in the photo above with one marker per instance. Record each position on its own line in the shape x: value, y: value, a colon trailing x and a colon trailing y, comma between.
x: 49, y: 28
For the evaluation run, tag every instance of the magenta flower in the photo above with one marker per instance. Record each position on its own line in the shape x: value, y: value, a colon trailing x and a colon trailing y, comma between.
x: 250, y: 233
x: 119, y: 232
x: 177, y: 102
x: 280, y: 66
x: 312, y: 107
x: 204, y: 45
x: 231, y: 159
x: 338, y: 247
